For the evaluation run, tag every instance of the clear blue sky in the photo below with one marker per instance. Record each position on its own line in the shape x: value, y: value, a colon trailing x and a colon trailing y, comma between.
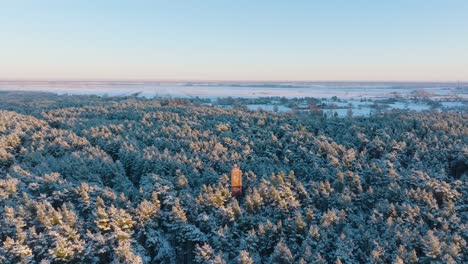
x: 424, y: 40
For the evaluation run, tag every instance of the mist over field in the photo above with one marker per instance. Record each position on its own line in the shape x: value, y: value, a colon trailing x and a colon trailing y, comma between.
x: 213, y: 89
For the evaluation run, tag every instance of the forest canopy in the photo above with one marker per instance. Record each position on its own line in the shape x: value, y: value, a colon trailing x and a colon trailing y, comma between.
x: 88, y: 179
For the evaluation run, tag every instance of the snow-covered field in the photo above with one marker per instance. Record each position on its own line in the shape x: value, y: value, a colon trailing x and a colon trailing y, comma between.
x: 240, y: 90
x: 362, y: 98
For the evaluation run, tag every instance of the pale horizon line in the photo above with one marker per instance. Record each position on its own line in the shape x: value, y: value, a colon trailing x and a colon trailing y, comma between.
x: 172, y: 80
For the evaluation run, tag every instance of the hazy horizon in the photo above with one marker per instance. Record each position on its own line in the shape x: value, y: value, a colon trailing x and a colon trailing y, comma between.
x: 227, y: 81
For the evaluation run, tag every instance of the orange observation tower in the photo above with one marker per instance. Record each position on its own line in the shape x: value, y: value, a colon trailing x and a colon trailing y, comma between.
x: 236, y: 181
